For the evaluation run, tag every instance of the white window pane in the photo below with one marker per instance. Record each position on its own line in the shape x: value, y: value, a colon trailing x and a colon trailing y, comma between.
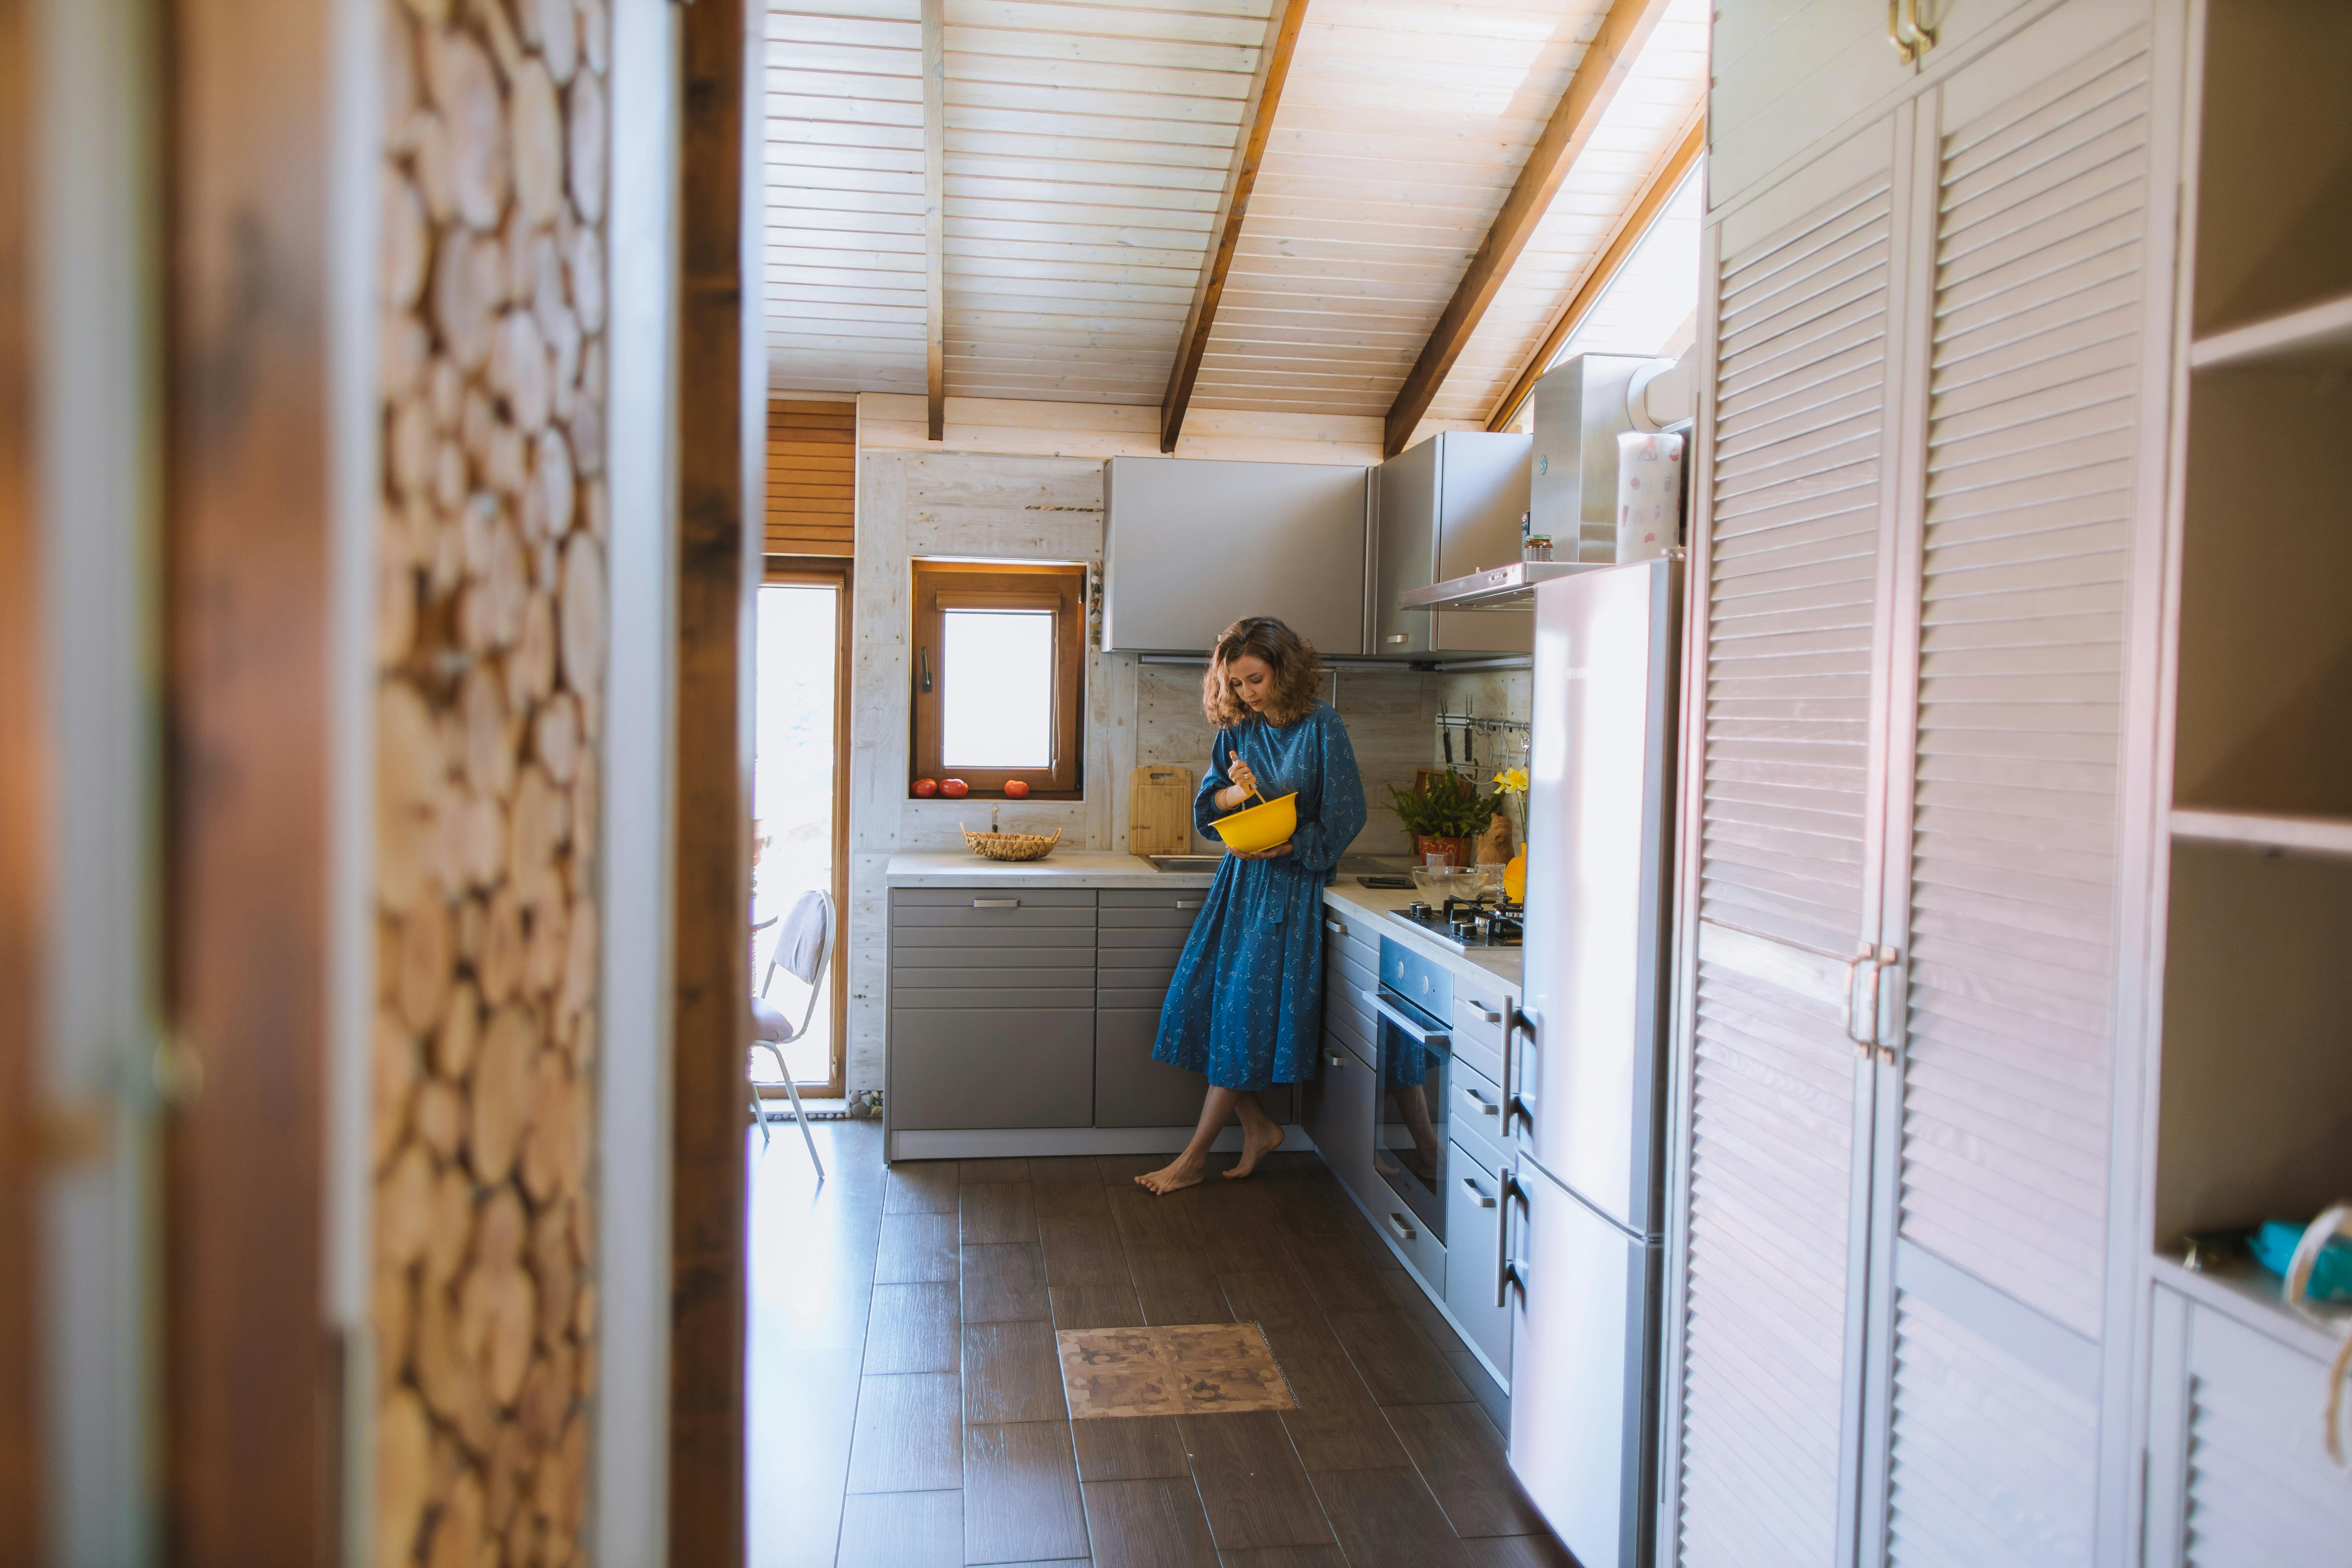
x: 996, y: 705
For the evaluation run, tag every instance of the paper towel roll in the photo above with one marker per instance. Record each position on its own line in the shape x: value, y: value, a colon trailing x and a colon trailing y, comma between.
x: 1649, y: 494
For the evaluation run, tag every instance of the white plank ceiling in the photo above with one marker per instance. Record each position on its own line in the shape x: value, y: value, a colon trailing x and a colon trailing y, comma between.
x: 1087, y: 145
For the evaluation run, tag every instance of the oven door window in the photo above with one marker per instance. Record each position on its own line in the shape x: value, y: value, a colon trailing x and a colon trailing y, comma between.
x: 1409, y: 1143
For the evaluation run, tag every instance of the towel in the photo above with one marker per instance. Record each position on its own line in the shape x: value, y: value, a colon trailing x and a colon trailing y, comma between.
x: 800, y: 940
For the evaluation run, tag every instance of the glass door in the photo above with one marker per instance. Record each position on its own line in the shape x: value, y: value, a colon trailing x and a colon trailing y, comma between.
x: 798, y: 797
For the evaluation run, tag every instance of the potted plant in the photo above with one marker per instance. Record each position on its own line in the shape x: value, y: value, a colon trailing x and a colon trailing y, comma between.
x: 1443, y: 812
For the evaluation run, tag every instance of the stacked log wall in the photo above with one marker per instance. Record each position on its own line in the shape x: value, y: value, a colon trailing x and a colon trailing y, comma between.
x: 491, y: 649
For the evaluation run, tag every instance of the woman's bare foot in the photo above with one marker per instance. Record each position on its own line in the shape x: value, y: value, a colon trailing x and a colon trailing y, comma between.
x: 1259, y: 1138
x: 1185, y: 1171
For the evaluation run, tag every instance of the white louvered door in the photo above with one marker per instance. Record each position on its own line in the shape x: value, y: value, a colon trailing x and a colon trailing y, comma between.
x: 1921, y: 468
x: 1990, y: 1275
x: 1762, y: 1436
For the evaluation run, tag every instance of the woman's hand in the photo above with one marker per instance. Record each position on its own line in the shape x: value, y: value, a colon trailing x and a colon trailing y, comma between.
x: 1243, y: 780
x: 1279, y: 849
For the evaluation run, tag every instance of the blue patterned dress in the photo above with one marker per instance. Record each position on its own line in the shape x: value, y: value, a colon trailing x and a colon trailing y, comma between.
x: 1246, y: 1005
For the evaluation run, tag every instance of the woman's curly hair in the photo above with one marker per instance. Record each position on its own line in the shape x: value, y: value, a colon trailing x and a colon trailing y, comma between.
x: 1298, y: 672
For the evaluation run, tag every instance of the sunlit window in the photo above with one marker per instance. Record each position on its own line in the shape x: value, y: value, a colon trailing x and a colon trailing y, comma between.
x: 999, y: 667
x: 997, y: 710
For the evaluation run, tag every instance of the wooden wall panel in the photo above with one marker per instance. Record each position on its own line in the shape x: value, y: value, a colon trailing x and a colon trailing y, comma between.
x: 21, y: 814
x: 811, y: 476
x: 491, y: 649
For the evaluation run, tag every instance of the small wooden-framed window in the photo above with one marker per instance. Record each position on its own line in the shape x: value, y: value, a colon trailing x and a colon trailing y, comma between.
x: 1000, y: 659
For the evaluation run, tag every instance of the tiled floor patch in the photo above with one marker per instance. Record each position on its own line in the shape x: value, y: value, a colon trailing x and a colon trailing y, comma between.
x: 1187, y: 1370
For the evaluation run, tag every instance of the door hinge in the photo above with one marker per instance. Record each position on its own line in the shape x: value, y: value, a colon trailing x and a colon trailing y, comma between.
x: 1873, y: 1004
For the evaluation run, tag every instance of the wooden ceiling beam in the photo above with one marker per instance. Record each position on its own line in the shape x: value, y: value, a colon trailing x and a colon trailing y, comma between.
x: 1608, y: 60
x: 1257, y: 119
x: 935, y: 222
x: 1665, y: 181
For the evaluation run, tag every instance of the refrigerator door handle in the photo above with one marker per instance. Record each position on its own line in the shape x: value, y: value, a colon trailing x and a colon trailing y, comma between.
x: 1516, y: 1105
x: 1507, y: 1272
x: 1419, y: 1036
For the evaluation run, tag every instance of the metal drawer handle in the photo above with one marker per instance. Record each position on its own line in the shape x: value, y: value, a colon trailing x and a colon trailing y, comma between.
x: 1477, y: 1196
x: 1188, y: 903
x: 1485, y: 1105
x: 1489, y: 1013
x: 1335, y: 928
x: 997, y: 903
x: 1506, y: 1273
x: 1419, y: 1034
x: 1337, y: 1059
x: 1401, y: 1230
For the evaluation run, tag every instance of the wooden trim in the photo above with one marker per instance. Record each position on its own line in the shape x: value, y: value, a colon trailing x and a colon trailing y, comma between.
x: 1265, y: 96
x: 711, y: 989
x: 23, y: 814
x: 1631, y: 229
x: 835, y: 572
x: 1608, y: 59
x: 251, y: 1427
x: 810, y: 500
x: 935, y: 202
x: 942, y: 586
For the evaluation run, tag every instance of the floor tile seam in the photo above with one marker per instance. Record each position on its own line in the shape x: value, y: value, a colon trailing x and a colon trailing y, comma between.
x: 840, y: 1510
x: 1329, y: 1528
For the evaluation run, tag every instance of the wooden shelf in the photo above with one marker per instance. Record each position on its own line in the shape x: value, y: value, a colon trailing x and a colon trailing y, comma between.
x: 2329, y: 836
x: 2318, y: 335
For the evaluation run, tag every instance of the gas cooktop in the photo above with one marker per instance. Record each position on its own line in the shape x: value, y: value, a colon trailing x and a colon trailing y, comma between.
x: 1463, y: 925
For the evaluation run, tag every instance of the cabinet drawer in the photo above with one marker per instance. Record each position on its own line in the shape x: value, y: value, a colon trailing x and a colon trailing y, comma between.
x: 1474, y: 1224
x: 1174, y: 914
x: 994, y: 914
x: 1346, y: 928
x: 1013, y: 1067
x: 1030, y: 897
x: 1472, y: 1029
x: 1407, y: 1232
x: 944, y: 947
x: 1144, y: 943
x: 1473, y: 1113
x: 1185, y: 899
x: 907, y: 993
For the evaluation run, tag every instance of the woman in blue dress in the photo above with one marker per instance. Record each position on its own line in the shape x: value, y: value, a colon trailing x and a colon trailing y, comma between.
x: 1246, y: 1005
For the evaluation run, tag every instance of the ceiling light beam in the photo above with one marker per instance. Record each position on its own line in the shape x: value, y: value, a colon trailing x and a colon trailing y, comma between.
x: 1607, y: 62
x: 1257, y: 119
x: 935, y: 223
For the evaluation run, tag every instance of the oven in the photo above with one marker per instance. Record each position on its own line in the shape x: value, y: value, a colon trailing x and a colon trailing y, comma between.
x: 1411, y: 1008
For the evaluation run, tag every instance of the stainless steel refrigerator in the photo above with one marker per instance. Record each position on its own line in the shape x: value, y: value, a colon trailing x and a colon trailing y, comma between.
x: 1582, y: 1231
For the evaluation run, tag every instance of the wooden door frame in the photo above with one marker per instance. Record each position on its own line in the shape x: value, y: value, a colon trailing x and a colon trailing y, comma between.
x: 831, y: 572
x: 721, y: 473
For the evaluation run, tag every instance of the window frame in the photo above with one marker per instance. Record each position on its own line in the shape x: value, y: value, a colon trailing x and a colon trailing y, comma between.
x: 829, y: 572
x: 1060, y: 588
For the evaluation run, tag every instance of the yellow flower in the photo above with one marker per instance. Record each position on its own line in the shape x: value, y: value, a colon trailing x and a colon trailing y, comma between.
x: 1512, y: 782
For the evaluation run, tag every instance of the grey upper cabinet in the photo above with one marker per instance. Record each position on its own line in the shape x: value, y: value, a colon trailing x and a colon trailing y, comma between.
x: 1449, y: 507
x: 1191, y: 546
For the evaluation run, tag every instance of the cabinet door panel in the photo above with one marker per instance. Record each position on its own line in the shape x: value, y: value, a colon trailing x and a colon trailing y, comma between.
x: 1338, y: 1115
x: 992, y: 1067
x: 1130, y: 1089
x: 1794, y: 644
x: 1474, y: 1217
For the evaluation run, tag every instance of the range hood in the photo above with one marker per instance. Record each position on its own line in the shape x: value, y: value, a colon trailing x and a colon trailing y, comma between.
x: 1580, y: 408
x: 1511, y: 587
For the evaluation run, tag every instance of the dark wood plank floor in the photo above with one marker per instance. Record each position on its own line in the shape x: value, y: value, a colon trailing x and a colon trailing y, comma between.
x: 906, y: 1404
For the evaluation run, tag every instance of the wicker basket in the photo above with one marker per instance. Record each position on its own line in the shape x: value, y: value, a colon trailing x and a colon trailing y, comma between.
x: 1011, y: 846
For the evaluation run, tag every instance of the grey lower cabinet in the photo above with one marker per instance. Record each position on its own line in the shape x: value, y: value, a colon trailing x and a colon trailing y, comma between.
x: 1140, y: 934
x: 1338, y: 1115
x: 1474, y: 1244
x: 992, y: 1007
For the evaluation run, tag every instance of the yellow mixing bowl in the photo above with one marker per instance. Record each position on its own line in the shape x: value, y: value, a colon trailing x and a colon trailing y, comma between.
x: 1260, y: 827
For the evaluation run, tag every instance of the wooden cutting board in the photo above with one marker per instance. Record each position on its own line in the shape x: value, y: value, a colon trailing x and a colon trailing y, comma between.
x: 1160, y: 811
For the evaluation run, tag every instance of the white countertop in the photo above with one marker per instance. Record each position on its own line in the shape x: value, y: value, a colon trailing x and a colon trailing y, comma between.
x: 1100, y: 868
x: 1062, y: 868
x: 1373, y: 904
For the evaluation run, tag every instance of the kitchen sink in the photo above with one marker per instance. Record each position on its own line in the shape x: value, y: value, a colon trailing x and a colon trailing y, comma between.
x: 1349, y: 864
x: 1185, y: 862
